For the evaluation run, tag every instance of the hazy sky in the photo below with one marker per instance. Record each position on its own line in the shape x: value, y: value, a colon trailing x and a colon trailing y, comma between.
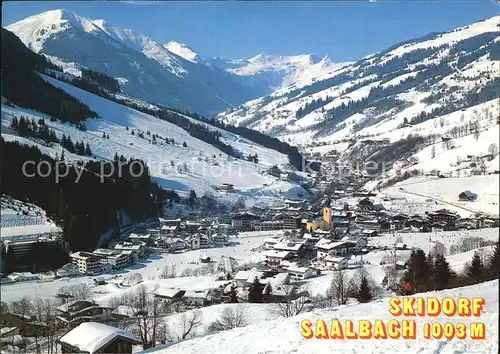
x: 343, y: 30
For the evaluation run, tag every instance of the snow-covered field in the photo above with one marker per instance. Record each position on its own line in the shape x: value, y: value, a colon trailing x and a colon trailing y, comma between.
x: 284, y: 335
x: 149, y: 269
x: 424, y: 241
x: 443, y: 193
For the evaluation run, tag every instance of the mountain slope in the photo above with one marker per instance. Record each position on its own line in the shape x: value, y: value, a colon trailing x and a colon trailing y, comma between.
x: 187, y: 161
x: 418, y: 80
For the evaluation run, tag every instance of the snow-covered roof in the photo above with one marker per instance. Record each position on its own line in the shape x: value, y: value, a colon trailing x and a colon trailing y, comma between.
x: 166, y: 227
x: 295, y: 269
x: 335, y: 259
x: 277, y: 254
x: 288, y: 246
x: 92, y: 336
x: 201, y: 294
x: 242, y: 275
x: 167, y: 292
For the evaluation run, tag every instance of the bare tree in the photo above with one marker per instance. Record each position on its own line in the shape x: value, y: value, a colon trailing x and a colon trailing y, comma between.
x: 433, y: 151
x: 340, y: 287
x: 493, y: 150
x: 291, y: 305
x: 189, y: 323
x: 147, y: 311
x: 438, y: 248
x: 232, y: 317
x: 79, y: 291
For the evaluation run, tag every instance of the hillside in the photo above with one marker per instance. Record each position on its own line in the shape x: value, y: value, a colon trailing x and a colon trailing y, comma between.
x: 284, y: 335
x: 396, y: 106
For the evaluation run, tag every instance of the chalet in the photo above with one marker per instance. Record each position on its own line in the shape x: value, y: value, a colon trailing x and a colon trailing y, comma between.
x: 226, y: 188
x: 442, y: 226
x: 24, y: 325
x: 327, y: 248
x: 220, y: 240
x: 467, y: 196
x: 442, y: 215
x: 193, y: 241
x: 270, y: 242
x: 93, y: 337
x: 275, y: 257
x: 295, y: 248
x: 245, y: 222
x: 196, y: 297
x: 359, y: 241
x: 138, y: 248
x: 300, y: 273
x: 336, y: 263
x: 145, y: 238
x: 205, y: 259
x: 169, y: 230
x: 169, y: 222
x: 169, y: 295
x: 245, y: 277
x: 368, y: 223
x: 78, y: 311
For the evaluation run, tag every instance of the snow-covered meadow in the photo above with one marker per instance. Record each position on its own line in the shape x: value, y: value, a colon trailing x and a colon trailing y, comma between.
x: 282, y: 336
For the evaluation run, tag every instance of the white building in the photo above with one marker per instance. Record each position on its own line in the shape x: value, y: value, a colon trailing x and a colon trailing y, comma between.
x: 300, y: 273
x: 275, y: 257
x: 327, y: 248
x: 196, y: 297
x: 336, y: 263
x: 87, y: 263
x: 169, y: 295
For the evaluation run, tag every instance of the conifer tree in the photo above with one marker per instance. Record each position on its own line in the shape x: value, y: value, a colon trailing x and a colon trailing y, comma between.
x: 475, y: 269
x: 364, y: 293
x: 233, y: 294
x: 493, y: 264
x: 255, y: 291
x: 442, y: 272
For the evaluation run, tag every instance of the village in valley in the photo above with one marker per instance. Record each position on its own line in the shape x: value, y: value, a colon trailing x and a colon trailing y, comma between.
x: 281, y: 261
x: 252, y: 196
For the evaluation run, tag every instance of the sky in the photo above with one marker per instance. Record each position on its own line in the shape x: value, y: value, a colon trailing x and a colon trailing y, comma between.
x: 343, y: 30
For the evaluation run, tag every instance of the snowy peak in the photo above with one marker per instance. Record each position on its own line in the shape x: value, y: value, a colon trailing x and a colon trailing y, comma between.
x: 35, y: 30
x: 181, y: 50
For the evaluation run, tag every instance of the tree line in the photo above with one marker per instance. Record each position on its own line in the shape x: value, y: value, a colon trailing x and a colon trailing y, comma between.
x: 89, y: 208
x: 39, y: 130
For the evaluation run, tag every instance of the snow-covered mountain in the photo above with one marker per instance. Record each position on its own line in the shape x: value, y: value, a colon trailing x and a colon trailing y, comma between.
x: 278, y: 71
x: 443, y: 84
x: 374, y: 95
x: 146, y: 68
x: 171, y: 74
